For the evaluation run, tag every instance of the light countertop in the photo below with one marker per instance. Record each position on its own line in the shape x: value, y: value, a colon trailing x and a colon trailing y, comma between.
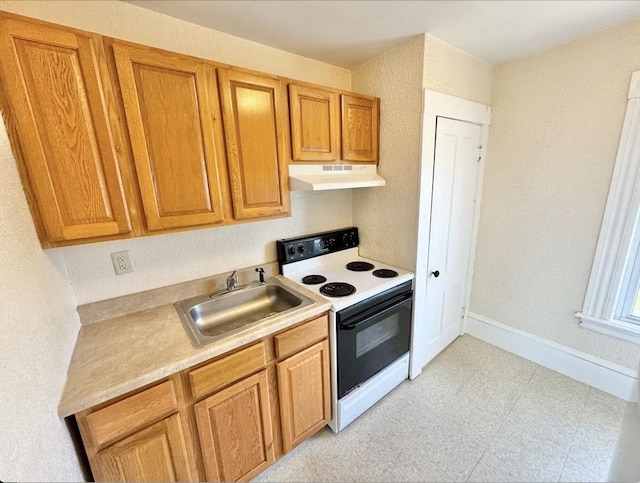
x: 128, y: 351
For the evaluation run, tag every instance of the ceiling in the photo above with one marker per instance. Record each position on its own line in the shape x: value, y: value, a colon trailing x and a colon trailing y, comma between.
x: 349, y: 33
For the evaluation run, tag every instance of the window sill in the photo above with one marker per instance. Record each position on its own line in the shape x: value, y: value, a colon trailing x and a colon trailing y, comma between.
x: 615, y: 328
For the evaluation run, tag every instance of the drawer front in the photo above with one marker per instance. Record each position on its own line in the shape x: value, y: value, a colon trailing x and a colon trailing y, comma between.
x: 129, y: 415
x: 300, y: 337
x: 211, y: 377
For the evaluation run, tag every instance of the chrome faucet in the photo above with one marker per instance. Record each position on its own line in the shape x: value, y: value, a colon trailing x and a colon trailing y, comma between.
x: 231, y: 281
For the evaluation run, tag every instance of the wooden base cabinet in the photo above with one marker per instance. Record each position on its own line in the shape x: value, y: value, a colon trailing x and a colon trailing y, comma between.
x: 156, y: 453
x: 143, y: 437
x: 227, y: 419
x: 305, y: 394
x: 235, y: 430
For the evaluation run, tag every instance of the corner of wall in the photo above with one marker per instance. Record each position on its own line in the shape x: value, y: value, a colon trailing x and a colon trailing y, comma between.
x: 387, y: 216
x: 452, y: 71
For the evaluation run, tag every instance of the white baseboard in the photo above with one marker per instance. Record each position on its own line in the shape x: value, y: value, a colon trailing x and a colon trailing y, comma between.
x: 607, y: 376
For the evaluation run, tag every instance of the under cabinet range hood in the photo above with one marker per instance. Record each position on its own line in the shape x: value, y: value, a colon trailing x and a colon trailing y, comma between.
x: 333, y: 177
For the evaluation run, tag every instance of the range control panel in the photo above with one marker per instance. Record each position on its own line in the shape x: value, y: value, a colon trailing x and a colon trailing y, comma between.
x: 295, y: 249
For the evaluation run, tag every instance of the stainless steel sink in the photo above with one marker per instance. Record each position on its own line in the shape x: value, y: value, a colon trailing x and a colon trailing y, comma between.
x: 211, y: 317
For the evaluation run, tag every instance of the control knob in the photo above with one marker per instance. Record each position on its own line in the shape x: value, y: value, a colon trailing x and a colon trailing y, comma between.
x: 291, y: 250
x: 349, y: 238
x: 301, y: 249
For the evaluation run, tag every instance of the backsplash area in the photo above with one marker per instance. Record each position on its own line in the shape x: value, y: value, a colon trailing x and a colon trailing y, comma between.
x: 167, y: 259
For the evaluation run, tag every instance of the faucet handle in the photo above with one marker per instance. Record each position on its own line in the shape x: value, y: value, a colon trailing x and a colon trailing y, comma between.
x: 260, y: 271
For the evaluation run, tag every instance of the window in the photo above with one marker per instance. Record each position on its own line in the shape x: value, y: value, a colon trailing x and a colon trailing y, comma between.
x: 630, y: 302
x: 612, y: 302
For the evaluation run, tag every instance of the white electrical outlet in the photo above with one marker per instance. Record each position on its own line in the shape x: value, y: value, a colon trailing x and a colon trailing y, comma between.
x: 121, y: 262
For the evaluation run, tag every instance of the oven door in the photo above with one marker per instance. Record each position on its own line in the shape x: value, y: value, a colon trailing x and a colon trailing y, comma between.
x: 371, y: 335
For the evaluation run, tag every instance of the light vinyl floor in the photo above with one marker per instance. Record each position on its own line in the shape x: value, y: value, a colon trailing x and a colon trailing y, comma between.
x: 476, y: 413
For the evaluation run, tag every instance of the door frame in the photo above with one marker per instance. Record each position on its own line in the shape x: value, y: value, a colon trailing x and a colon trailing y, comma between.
x: 434, y: 105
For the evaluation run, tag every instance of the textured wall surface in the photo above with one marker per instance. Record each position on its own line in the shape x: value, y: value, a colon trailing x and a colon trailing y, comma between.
x: 556, y: 124
x: 37, y: 304
x: 167, y: 259
x: 129, y: 22
x: 39, y: 324
x: 451, y: 71
x: 388, y: 216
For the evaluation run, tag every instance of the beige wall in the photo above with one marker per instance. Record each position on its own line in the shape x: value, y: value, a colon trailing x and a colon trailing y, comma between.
x: 38, y: 327
x: 556, y: 123
x: 454, y: 72
x: 387, y: 216
x: 130, y: 22
x: 38, y: 319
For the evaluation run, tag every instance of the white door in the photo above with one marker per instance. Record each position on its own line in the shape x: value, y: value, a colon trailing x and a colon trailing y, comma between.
x: 455, y: 178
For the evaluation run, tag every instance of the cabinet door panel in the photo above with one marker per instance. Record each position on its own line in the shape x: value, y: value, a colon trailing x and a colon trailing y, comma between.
x: 157, y: 453
x: 314, y: 124
x: 360, y: 129
x: 253, y: 108
x: 171, y: 108
x: 235, y: 430
x: 305, y: 394
x: 59, y: 104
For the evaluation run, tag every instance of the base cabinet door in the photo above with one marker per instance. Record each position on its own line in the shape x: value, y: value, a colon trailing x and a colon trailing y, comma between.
x: 236, y: 435
x: 156, y: 453
x: 305, y: 394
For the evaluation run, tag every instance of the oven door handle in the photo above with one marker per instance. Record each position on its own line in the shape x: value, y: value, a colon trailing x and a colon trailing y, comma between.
x: 374, y: 311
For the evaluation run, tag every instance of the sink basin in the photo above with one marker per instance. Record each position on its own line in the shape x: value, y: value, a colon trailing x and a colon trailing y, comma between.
x: 211, y: 317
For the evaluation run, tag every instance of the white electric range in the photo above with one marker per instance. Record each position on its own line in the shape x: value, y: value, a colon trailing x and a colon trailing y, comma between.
x: 370, y: 316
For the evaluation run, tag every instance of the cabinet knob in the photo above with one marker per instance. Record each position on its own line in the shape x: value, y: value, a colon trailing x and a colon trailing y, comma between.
x: 436, y: 273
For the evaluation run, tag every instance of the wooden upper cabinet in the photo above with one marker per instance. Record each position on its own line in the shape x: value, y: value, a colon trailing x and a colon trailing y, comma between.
x: 57, y: 105
x: 254, y: 116
x: 315, y: 124
x: 360, y: 128
x: 172, y: 113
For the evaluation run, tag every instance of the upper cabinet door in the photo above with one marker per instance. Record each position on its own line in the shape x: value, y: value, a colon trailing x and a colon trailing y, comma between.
x: 172, y: 113
x: 58, y: 104
x: 255, y: 127
x: 315, y: 124
x: 360, y: 129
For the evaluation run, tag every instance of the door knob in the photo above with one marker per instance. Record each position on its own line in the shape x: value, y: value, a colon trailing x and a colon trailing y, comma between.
x: 436, y: 273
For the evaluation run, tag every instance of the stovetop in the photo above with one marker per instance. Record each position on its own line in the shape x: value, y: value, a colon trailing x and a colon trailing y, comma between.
x: 332, y: 266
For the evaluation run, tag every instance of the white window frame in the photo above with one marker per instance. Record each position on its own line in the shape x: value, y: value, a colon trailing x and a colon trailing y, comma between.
x: 616, y: 266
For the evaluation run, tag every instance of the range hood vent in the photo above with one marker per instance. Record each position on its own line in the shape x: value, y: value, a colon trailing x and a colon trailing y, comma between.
x: 333, y: 177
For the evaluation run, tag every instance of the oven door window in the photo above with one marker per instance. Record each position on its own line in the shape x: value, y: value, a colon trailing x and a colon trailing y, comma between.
x: 370, y: 341
x: 376, y: 335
